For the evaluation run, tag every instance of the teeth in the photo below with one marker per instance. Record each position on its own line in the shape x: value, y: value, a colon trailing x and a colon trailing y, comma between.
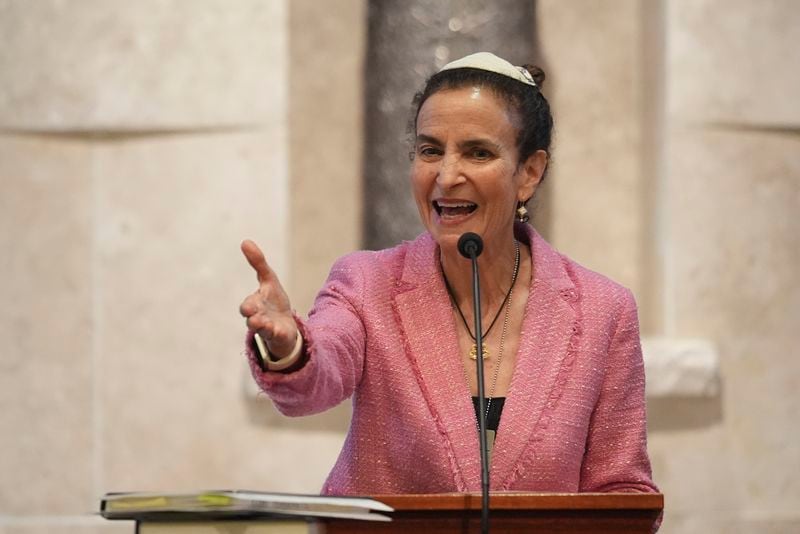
x: 458, y: 205
x: 454, y: 208
x: 454, y: 204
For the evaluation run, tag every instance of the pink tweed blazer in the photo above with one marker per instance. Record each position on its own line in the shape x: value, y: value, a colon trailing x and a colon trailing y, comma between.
x: 382, y: 331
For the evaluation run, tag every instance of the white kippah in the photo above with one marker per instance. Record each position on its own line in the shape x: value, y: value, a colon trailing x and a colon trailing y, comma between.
x: 491, y: 63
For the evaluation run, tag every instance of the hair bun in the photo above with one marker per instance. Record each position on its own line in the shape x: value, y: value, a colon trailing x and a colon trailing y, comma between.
x: 536, y: 73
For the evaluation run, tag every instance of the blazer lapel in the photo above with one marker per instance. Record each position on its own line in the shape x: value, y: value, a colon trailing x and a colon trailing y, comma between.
x: 547, y: 329
x: 423, y: 309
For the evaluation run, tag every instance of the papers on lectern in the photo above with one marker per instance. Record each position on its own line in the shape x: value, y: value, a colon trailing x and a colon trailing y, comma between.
x: 226, y: 504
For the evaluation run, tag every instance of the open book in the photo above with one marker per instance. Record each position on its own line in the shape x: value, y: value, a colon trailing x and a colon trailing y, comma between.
x: 225, y: 504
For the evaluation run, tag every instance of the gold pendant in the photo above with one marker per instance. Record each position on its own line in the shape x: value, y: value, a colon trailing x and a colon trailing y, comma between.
x: 473, y: 353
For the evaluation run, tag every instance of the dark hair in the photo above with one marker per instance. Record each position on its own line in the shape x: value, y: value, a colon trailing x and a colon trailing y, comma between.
x: 528, y: 103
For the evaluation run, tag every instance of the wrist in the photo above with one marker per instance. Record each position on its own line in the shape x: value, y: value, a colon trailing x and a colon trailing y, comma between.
x: 271, y: 362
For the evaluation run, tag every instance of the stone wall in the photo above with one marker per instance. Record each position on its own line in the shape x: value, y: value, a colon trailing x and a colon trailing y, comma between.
x: 678, y: 173
x: 140, y: 142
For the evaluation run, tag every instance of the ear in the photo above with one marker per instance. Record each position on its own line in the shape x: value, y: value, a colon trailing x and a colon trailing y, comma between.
x: 530, y: 174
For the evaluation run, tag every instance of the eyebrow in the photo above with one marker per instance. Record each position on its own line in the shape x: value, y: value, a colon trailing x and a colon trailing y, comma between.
x: 422, y: 138
x: 469, y: 143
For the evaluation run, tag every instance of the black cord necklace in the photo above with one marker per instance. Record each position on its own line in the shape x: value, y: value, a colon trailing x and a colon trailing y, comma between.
x: 473, y: 353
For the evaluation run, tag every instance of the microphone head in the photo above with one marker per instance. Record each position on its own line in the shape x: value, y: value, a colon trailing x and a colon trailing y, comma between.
x: 470, y: 245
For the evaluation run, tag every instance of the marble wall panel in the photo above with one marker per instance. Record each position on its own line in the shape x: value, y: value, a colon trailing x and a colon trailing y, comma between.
x: 173, y: 212
x: 326, y: 138
x: 734, y: 198
x: 693, y: 469
x: 596, y: 184
x: 118, y: 65
x: 46, y: 316
x: 734, y: 61
x: 739, y: 192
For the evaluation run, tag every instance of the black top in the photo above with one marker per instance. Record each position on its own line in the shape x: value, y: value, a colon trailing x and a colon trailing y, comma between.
x: 495, y: 409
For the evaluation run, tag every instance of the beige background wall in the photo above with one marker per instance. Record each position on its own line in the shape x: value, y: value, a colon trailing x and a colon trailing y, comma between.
x: 731, y: 240
x: 140, y: 142
x: 679, y: 174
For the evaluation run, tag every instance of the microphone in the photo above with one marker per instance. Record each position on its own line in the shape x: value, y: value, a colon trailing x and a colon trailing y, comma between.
x: 470, y: 245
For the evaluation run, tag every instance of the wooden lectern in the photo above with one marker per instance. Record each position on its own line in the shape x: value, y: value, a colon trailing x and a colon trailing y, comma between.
x: 595, y: 513
x: 585, y: 513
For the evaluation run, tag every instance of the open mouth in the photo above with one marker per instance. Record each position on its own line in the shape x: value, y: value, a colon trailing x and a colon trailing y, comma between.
x: 459, y: 208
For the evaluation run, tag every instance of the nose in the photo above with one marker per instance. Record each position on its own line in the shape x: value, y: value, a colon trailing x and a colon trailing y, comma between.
x: 450, y: 172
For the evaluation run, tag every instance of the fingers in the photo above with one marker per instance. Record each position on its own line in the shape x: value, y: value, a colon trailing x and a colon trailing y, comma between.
x: 267, y: 299
x: 263, y: 318
x: 279, y: 336
x: 256, y: 260
x: 250, y: 306
x: 268, y: 311
x: 257, y: 319
x: 261, y: 324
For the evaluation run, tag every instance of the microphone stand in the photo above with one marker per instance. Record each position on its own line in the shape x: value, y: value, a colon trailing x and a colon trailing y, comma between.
x: 471, y: 245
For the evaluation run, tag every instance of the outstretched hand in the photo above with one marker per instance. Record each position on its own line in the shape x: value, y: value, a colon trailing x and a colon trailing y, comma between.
x: 267, y: 310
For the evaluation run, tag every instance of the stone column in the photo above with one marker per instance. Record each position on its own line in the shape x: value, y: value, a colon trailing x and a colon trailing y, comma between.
x: 326, y: 103
x: 597, y: 185
x: 408, y: 42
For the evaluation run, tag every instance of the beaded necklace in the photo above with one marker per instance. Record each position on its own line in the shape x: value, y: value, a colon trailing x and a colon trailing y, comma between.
x: 473, y: 353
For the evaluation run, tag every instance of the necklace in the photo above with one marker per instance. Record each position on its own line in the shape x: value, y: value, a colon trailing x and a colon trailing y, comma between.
x: 473, y: 353
x: 490, y: 434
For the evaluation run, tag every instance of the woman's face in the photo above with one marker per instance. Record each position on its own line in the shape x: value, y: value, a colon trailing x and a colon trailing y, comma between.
x: 466, y: 173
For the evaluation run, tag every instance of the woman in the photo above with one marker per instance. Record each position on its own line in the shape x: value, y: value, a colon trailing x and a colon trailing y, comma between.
x: 391, y: 328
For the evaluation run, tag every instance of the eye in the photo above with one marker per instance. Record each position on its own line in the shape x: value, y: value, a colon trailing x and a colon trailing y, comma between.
x: 428, y: 151
x: 481, y: 154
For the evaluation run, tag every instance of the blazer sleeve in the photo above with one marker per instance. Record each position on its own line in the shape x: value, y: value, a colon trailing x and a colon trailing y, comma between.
x: 616, y: 449
x: 334, y: 348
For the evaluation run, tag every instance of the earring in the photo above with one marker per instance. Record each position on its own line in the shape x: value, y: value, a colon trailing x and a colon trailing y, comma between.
x: 522, y: 212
